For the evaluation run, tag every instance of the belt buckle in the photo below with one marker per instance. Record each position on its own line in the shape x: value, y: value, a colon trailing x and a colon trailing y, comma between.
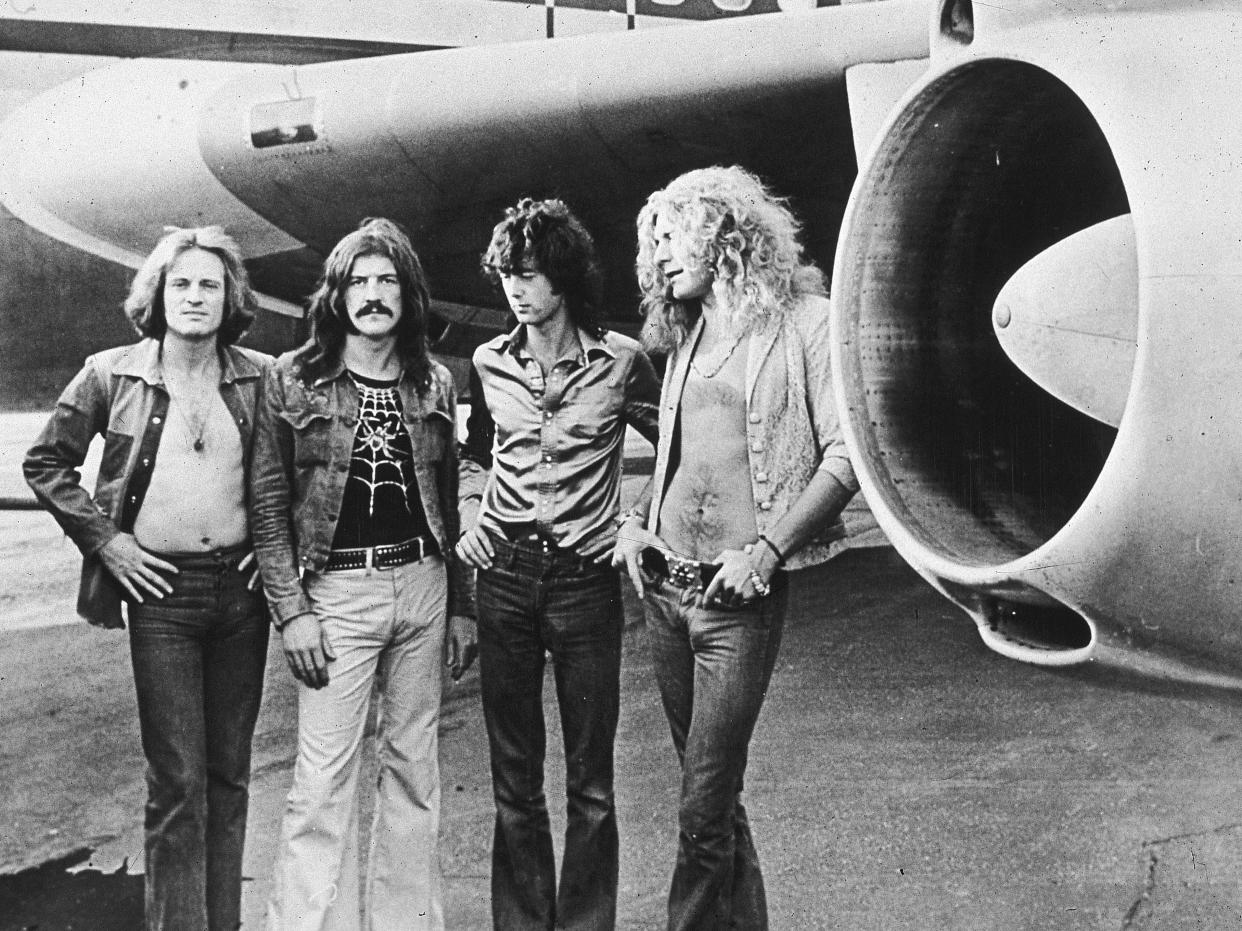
x: 683, y: 572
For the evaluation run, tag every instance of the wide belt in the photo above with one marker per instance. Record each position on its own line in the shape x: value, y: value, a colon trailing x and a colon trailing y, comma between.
x: 388, y: 556
x: 684, y: 573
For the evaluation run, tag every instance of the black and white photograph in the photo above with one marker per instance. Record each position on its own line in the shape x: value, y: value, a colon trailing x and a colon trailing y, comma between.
x: 575, y: 465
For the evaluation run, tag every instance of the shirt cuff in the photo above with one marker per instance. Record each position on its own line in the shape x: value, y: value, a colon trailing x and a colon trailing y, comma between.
x: 287, y: 609
x: 839, y: 468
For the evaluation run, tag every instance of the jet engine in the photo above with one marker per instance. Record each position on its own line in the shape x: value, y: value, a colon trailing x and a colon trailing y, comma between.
x: 1037, y: 330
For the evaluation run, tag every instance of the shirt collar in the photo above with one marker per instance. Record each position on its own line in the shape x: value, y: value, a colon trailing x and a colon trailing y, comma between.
x: 334, y: 371
x: 143, y: 362
x: 591, y: 344
x: 515, y: 340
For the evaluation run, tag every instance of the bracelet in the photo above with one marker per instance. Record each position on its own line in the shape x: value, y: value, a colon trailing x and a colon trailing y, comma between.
x: 780, y: 557
x: 624, y: 518
x: 762, y: 588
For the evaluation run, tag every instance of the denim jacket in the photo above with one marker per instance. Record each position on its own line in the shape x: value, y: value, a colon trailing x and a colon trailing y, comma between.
x: 304, y: 440
x: 791, y: 421
x: 120, y: 395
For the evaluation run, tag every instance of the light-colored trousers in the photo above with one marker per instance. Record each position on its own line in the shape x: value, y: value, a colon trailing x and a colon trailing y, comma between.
x: 385, y: 624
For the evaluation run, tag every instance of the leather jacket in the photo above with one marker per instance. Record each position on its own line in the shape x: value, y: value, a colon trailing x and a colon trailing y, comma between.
x: 119, y: 394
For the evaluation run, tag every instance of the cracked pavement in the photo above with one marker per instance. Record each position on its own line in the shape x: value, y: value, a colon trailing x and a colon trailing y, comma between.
x: 902, y: 778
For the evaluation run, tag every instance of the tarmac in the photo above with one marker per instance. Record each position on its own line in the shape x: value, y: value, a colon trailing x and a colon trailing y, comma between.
x: 901, y: 778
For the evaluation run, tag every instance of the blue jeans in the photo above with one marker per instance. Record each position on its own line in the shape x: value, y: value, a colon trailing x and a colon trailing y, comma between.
x: 198, y: 656
x: 533, y: 602
x: 712, y: 666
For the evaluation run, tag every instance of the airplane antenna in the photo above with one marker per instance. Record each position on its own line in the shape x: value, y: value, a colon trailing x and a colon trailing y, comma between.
x: 296, y: 92
x: 550, y: 5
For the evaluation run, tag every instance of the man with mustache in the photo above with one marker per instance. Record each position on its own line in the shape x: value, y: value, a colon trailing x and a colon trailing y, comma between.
x: 355, y: 511
x: 561, y: 391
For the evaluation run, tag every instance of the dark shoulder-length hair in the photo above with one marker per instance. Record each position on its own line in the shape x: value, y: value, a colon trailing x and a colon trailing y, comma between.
x: 328, y: 317
x: 145, y: 304
x: 545, y: 236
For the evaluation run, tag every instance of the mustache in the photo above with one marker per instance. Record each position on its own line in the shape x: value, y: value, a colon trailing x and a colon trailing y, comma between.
x: 374, y: 307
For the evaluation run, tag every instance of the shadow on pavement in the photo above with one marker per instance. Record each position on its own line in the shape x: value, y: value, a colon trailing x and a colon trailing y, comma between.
x: 51, y: 898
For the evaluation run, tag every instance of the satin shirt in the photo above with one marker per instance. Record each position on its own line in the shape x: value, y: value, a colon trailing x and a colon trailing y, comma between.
x: 559, y: 436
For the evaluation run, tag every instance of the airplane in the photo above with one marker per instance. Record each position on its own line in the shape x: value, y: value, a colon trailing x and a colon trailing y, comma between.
x: 59, y: 303
x: 1032, y: 278
x: 75, y: 144
x: 1036, y: 329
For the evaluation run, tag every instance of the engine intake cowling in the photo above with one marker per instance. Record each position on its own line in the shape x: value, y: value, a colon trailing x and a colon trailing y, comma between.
x: 1061, y: 465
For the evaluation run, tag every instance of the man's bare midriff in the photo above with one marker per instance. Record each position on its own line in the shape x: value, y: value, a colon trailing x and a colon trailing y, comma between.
x: 196, y: 500
x: 708, y: 506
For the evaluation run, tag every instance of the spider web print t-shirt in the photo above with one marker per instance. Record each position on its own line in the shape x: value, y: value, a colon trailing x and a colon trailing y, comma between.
x: 381, y: 504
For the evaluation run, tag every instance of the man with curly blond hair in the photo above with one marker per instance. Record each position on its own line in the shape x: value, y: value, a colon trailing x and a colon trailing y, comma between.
x: 751, y: 476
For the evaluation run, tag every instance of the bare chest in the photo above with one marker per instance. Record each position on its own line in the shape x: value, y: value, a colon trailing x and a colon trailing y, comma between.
x: 708, y: 504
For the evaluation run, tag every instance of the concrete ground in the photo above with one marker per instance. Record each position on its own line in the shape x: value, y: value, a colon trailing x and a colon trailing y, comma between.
x: 902, y: 777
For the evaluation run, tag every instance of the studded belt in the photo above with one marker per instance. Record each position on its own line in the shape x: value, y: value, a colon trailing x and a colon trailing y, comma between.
x: 415, y: 549
x: 684, y: 573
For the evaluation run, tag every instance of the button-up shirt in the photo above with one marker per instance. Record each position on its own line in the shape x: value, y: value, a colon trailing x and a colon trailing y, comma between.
x: 559, y: 436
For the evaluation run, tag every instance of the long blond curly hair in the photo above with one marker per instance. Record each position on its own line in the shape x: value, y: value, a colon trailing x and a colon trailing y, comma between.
x: 745, y: 235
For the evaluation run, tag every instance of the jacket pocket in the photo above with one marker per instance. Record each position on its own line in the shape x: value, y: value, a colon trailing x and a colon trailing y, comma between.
x: 312, y: 434
x: 429, y: 435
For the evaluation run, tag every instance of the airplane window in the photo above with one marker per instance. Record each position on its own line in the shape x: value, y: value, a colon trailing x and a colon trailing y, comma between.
x: 283, y: 123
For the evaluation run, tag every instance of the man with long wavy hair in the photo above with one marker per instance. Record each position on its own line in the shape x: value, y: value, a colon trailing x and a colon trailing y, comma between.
x: 176, y: 412
x: 751, y: 477
x: 561, y: 391
x: 354, y: 496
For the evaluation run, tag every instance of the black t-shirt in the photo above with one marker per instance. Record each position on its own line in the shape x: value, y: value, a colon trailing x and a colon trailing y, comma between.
x: 381, y: 504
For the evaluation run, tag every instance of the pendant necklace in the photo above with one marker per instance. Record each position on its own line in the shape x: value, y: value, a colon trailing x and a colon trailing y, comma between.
x: 194, y: 417
x: 694, y: 364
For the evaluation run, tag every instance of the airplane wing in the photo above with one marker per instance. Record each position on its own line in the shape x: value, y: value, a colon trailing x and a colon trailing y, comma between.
x: 300, y: 31
x: 291, y: 157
